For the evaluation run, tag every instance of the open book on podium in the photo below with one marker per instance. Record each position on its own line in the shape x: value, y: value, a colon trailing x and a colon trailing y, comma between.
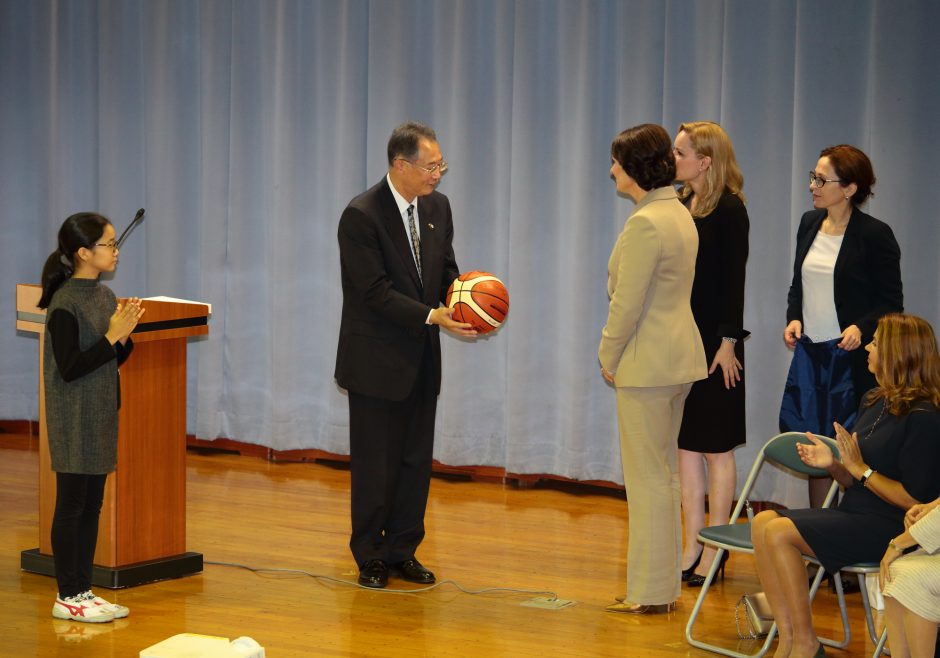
x: 142, y: 531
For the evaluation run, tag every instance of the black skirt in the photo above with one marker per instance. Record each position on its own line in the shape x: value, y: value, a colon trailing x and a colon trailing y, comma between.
x: 713, y: 420
x: 841, y: 537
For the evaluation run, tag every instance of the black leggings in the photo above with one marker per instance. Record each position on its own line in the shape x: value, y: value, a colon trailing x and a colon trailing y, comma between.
x: 75, y: 529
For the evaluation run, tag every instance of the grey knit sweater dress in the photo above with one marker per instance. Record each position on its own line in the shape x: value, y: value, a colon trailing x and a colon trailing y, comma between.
x: 80, y: 369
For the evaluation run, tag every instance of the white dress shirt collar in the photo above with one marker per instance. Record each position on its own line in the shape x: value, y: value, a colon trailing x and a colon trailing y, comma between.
x: 400, y: 200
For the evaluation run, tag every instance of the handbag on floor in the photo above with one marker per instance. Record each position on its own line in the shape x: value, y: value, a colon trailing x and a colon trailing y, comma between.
x: 758, y: 618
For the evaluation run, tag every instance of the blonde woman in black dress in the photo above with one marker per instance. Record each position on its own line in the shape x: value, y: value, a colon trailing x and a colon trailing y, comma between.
x: 713, y: 421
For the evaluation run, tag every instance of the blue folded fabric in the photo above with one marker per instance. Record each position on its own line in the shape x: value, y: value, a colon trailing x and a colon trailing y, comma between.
x: 819, y: 389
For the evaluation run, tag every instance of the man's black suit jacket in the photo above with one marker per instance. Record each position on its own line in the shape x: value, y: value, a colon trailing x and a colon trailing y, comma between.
x: 867, y: 275
x: 383, y: 332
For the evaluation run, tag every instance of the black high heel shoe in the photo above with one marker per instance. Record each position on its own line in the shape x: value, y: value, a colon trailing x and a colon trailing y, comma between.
x: 695, y: 580
x: 687, y: 573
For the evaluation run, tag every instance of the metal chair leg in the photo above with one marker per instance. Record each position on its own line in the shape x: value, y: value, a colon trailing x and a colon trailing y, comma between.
x: 880, y: 647
x: 869, y: 616
x: 846, y: 629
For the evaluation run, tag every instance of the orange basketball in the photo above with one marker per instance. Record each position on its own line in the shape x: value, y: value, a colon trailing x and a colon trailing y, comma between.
x: 480, y: 299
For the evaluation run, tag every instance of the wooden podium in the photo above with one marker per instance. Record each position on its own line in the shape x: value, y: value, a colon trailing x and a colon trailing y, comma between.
x: 142, y: 531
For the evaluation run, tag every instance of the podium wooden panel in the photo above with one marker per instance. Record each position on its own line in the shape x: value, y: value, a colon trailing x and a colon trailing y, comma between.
x: 142, y: 531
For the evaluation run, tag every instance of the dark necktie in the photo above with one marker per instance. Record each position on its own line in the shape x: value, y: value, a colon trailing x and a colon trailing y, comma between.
x: 415, y: 240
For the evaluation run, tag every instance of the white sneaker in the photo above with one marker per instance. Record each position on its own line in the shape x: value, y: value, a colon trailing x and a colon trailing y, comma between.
x: 119, y: 611
x: 77, y: 608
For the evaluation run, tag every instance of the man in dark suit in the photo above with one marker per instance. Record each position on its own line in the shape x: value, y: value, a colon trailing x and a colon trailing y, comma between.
x: 397, y: 261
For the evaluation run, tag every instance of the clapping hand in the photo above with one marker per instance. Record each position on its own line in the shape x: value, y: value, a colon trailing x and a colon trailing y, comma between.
x: 848, y: 448
x: 817, y: 455
x: 124, y: 320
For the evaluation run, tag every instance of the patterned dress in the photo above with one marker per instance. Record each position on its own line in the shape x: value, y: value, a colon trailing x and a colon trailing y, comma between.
x: 915, y: 577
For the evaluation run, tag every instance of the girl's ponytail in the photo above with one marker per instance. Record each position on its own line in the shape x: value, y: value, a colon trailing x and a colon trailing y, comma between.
x: 80, y: 230
x: 55, y: 272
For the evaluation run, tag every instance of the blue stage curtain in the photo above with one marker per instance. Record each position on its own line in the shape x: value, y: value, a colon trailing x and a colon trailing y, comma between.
x: 244, y: 127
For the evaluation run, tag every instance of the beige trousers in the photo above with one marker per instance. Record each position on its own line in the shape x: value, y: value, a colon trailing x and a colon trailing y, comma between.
x: 649, y: 420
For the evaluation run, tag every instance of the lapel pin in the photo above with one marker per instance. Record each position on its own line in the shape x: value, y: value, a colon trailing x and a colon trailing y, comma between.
x: 431, y: 226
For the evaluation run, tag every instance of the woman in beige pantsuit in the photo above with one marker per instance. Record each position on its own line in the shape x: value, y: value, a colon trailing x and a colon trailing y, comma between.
x: 651, y: 351
x: 911, y: 584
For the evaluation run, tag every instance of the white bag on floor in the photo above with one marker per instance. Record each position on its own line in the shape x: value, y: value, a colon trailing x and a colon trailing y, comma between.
x: 875, y: 599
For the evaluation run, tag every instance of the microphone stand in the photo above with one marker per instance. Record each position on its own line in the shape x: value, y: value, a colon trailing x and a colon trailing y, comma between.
x: 138, y: 218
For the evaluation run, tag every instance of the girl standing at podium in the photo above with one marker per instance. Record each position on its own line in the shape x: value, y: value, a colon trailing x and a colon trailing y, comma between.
x: 87, y: 338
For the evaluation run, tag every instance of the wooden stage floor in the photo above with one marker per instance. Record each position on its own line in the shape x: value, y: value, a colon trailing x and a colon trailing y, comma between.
x: 481, y: 535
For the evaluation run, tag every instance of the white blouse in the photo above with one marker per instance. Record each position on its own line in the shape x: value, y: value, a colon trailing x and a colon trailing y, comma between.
x: 820, y: 322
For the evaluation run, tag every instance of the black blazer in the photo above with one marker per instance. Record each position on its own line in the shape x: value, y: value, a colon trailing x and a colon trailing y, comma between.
x: 718, y: 290
x: 867, y: 275
x: 382, y: 331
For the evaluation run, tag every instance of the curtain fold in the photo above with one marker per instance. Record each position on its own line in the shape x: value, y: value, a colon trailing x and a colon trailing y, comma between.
x: 245, y: 127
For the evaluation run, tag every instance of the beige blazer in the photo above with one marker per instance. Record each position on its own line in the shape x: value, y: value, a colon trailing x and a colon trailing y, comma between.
x: 650, y: 338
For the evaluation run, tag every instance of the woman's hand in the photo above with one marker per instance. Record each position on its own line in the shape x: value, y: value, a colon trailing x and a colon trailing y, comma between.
x: 848, y: 449
x: 793, y: 333
x: 817, y: 455
x: 916, y: 512
x: 607, y: 375
x: 124, y: 320
x: 851, y: 338
x: 884, y: 573
x: 730, y: 366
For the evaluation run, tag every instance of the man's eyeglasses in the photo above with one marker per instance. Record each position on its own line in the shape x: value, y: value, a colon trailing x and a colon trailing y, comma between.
x: 110, y: 245
x: 440, y: 166
x: 819, y: 181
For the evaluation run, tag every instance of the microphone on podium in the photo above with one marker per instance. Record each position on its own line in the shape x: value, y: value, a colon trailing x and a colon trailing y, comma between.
x: 138, y: 218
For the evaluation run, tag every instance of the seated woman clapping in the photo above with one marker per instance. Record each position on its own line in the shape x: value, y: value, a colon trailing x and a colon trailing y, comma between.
x: 886, y: 466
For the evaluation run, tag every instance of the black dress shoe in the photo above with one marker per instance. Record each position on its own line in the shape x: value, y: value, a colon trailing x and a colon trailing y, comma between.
x: 696, y: 580
x: 412, y: 571
x: 373, y: 573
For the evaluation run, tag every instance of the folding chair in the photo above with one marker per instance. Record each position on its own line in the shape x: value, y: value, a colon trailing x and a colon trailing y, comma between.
x: 861, y: 570
x: 880, y: 647
x: 780, y: 451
